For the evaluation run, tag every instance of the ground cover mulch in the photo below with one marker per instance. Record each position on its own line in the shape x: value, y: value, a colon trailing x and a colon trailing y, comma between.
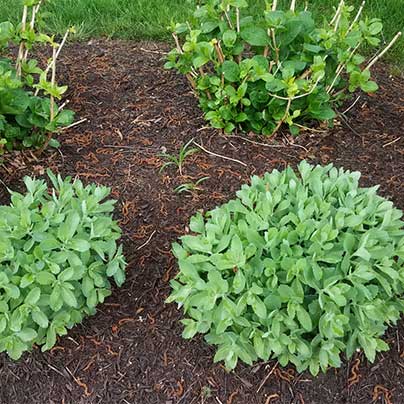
x: 132, y: 350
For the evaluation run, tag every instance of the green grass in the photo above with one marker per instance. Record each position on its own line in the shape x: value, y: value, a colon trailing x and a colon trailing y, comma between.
x: 148, y: 19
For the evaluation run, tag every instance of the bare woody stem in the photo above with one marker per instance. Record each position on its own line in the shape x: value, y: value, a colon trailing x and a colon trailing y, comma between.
x: 339, y: 9
x: 35, y: 10
x: 340, y: 69
x: 220, y: 56
x: 275, y: 46
x: 177, y: 43
x: 52, y: 101
x: 293, y: 5
x: 208, y: 94
x: 226, y: 13
x: 381, y: 54
x: 53, y: 81
x: 53, y: 61
x: 356, y: 17
x: 239, y: 57
x: 181, y: 52
x: 339, y: 15
x: 22, y: 43
x: 271, y: 33
x: 283, y: 118
x: 219, y: 52
x: 298, y: 96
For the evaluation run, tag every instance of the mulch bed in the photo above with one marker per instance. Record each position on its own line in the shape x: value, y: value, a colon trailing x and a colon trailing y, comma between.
x: 132, y: 350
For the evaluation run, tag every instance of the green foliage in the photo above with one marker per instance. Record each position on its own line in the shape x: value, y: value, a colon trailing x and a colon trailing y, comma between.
x: 28, y: 111
x: 57, y: 252
x: 300, y: 267
x: 255, y: 73
x: 190, y: 187
x: 185, y: 151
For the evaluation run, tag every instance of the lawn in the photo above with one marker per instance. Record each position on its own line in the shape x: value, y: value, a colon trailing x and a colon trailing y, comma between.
x: 148, y: 19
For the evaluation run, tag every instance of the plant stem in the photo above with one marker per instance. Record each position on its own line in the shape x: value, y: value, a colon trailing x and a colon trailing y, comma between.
x: 293, y: 5
x: 52, y: 101
x: 357, y: 17
x: 284, y: 117
x: 32, y: 25
x: 339, y: 17
x: 53, y: 61
x: 275, y: 46
x: 177, y: 43
x: 219, y: 52
x: 201, y: 71
x: 22, y: 43
x: 298, y: 96
x: 226, y: 13
x: 340, y: 69
x: 339, y: 9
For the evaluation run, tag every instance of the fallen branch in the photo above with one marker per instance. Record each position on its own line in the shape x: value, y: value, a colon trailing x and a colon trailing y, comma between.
x: 353, y: 104
x: 219, y: 155
x: 74, y: 124
x: 267, y: 377
x: 147, y: 242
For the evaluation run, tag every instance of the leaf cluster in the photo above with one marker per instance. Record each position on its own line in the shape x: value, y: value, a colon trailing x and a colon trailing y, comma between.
x: 257, y: 73
x: 27, y: 108
x: 301, y: 267
x: 57, y: 253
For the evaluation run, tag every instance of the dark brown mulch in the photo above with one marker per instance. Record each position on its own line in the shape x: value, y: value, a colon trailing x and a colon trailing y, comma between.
x: 132, y: 350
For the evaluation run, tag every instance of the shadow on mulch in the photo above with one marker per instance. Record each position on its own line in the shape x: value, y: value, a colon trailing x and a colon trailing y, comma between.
x: 132, y: 350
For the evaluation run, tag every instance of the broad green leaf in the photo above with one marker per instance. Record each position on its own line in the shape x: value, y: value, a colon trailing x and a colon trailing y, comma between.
x: 231, y: 71
x: 255, y: 36
x: 33, y: 296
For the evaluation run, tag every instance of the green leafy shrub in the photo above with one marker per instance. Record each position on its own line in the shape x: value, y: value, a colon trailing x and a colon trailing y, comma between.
x: 29, y: 114
x: 56, y: 254
x: 257, y: 73
x: 300, y: 267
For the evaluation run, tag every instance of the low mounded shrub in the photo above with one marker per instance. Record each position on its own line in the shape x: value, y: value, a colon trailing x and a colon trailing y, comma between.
x: 57, y: 253
x: 258, y: 71
x: 300, y: 268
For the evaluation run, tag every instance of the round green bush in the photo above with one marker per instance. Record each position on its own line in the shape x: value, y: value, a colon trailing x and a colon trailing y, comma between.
x: 299, y: 268
x: 57, y: 252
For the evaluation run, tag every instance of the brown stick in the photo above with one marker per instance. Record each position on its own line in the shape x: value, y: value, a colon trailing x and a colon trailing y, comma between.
x: 177, y: 43
x: 219, y: 52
